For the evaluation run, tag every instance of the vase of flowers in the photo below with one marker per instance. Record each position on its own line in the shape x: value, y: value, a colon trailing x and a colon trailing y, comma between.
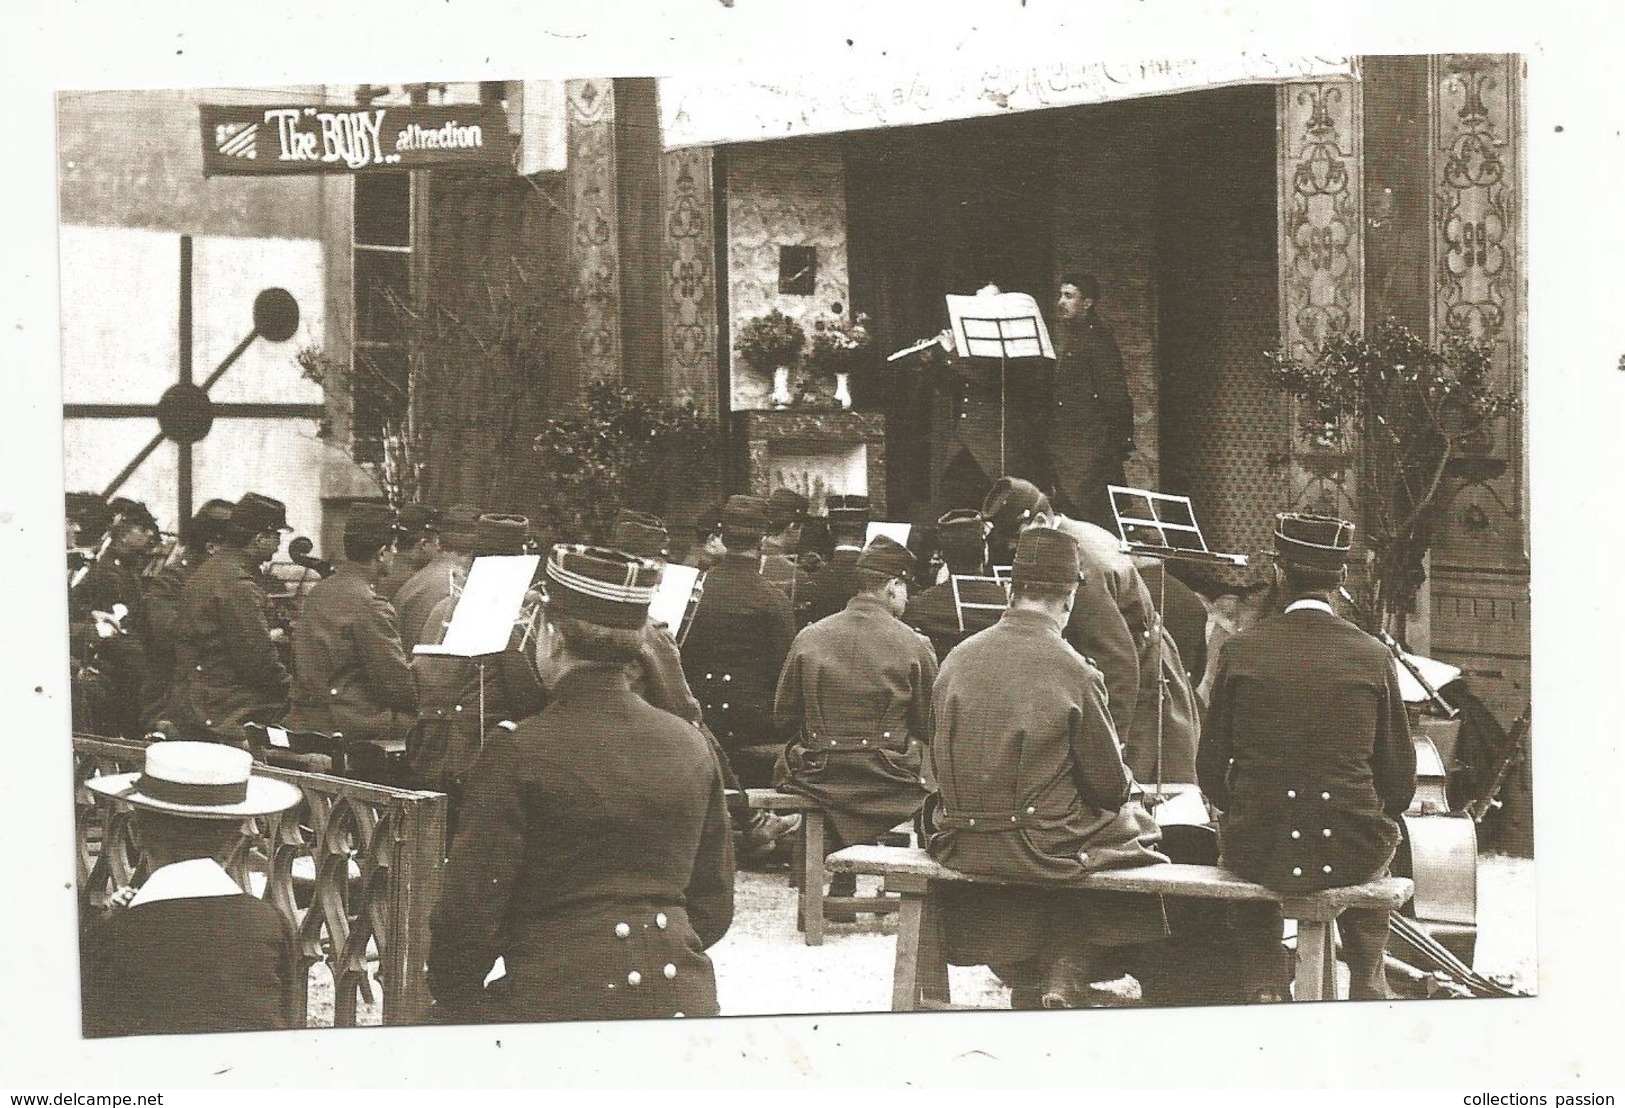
x: 841, y: 345
x: 772, y: 343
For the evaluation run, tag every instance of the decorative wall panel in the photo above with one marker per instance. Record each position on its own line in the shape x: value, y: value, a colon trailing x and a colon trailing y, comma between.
x: 596, y: 291
x: 1478, y: 270
x: 1321, y: 256
x: 782, y: 194
x: 690, y: 312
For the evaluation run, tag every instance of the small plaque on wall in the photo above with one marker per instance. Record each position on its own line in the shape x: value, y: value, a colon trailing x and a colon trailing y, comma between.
x: 798, y: 270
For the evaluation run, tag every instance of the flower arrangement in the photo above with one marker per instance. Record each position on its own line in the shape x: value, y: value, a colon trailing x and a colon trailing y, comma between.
x: 1411, y: 409
x: 771, y: 341
x: 840, y: 345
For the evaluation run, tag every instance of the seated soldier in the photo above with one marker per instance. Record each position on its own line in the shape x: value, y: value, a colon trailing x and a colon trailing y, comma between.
x: 351, y: 676
x: 707, y: 549
x: 962, y: 546
x: 856, y: 693
x: 736, y: 645
x: 445, y: 570
x: 781, y: 548
x: 116, y: 580
x: 192, y: 952
x: 451, y: 690
x: 420, y: 541
x: 200, y: 538
x: 1034, y: 790
x: 1308, y: 753
x: 837, y: 582
x: 658, y: 678
x: 227, y: 669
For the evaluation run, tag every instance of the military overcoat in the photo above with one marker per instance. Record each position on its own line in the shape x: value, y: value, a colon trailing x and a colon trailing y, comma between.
x: 227, y: 672
x: 350, y: 673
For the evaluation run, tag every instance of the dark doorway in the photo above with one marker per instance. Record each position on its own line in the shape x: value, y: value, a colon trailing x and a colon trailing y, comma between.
x: 932, y: 210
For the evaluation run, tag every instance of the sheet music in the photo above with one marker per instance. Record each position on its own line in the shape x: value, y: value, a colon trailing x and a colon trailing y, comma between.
x: 897, y: 532
x: 671, y: 595
x: 1006, y: 324
x: 1439, y: 674
x: 483, y: 619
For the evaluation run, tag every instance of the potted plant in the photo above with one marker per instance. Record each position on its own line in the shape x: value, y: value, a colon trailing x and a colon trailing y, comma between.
x: 1408, y: 409
x: 840, y: 347
x: 772, y: 344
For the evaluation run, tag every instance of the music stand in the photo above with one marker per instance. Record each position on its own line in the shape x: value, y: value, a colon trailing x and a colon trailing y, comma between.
x: 1162, y: 526
x: 482, y: 622
x: 990, y: 595
x: 1002, y: 325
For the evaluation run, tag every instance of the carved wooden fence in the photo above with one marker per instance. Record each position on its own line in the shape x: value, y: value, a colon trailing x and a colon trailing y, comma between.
x: 376, y: 859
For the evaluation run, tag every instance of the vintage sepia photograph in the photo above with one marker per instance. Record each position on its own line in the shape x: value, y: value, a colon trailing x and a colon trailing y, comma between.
x: 994, y: 536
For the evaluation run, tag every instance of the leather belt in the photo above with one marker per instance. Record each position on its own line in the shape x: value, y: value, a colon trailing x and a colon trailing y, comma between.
x: 988, y: 821
x: 874, y: 740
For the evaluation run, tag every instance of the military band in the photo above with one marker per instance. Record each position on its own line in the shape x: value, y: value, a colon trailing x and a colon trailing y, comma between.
x: 598, y: 765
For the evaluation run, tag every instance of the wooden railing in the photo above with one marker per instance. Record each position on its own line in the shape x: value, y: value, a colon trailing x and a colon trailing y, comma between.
x: 376, y: 856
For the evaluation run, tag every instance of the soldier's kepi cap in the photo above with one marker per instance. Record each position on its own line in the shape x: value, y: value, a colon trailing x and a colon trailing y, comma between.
x: 745, y: 513
x: 847, y: 508
x: 960, y: 531
x: 784, y: 507
x: 375, y: 523
x: 886, y: 556
x: 417, y: 518
x: 255, y: 513
x: 457, y: 526
x: 609, y: 588
x: 1012, y: 503
x: 1313, y: 542
x: 210, y: 523
x: 640, y: 534
x: 1046, y: 557
x: 497, y: 534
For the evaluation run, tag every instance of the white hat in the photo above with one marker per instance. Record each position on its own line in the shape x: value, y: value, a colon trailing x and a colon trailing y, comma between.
x: 201, y: 780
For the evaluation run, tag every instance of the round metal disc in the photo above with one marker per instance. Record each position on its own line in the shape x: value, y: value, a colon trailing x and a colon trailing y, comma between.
x: 276, y: 315
x: 185, y: 413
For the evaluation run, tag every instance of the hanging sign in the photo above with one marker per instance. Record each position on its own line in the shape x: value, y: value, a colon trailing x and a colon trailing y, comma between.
x: 332, y: 138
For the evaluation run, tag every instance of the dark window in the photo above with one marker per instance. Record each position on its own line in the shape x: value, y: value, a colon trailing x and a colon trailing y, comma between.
x: 383, y: 288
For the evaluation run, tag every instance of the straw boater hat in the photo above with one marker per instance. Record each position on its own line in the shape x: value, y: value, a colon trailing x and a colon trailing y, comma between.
x: 597, y: 585
x: 1313, y: 542
x: 199, y: 780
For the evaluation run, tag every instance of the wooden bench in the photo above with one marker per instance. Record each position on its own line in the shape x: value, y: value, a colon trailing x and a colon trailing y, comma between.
x: 807, y: 870
x: 920, y: 974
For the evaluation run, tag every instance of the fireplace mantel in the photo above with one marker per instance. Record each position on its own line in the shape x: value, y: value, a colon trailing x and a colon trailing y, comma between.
x: 816, y: 453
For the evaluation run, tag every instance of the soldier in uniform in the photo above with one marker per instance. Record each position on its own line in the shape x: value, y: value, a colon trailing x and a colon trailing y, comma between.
x: 446, y: 568
x: 594, y: 856
x: 1090, y: 424
x: 1034, y: 790
x: 420, y: 541
x: 227, y: 671
x: 351, y: 676
x: 1114, y: 624
x: 856, y: 693
x: 707, y: 549
x: 1308, y: 750
x: 116, y: 579
x: 837, y: 582
x: 200, y: 538
x: 658, y: 678
x: 450, y: 728
x: 736, y: 645
x: 962, y: 546
x: 781, y: 548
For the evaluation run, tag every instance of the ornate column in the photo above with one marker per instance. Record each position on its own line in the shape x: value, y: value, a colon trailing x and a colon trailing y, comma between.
x: 595, y: 292
x: 1321, y: 257
x: 689, y: 256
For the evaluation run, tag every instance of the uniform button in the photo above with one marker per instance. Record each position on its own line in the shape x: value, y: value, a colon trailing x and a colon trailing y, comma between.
x: 1032, y: 811
x: 1083, y: 856
x: 727, y: 677
x: 634, y: 978
x: 885, y: 734
x: 677, y: 1015
x: 709, y: 677
x: 208, y: 723
x: 1297, y: 834
x: 1325, y: 796
x: 1292, y: 794
x: 1012, y: 819
x: 725, y: 705
x: 670, y: 971
x: 200, y: 669
x: 660, y: 920
x: 1297, y: 871
x: 333, y: 692
x: 972, y: 821
x: 1326, y: 869
x: 832, y: 742
x: 458, y: 708
x: 863, y: 742
x: 1325, y: 832
x: 622, y: 930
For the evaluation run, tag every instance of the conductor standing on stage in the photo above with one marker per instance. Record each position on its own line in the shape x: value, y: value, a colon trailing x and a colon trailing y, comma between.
x: 1091, y: 416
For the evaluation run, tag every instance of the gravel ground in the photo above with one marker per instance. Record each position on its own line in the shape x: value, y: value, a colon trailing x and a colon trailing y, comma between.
x: 764, y: 968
